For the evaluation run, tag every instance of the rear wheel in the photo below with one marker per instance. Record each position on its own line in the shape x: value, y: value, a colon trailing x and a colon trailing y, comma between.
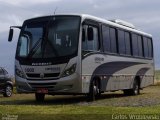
x: 94, y: 90
x: 134, y: 91
x: 39, y: 97
x: 136, y: 88
x: 8, y: 91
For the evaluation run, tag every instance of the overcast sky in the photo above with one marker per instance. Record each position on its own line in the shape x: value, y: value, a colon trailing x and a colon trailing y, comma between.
x: 144, y: 14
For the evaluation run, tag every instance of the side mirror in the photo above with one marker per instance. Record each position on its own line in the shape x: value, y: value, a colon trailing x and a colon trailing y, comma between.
x: 90, y: 33
x: 10, y: 35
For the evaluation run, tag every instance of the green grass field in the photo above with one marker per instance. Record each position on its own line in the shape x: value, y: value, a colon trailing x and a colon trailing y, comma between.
x: 76, y: 107
x: 35, y: 112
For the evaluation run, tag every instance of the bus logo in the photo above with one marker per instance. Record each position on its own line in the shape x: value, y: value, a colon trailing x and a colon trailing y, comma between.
x: 41, y: 75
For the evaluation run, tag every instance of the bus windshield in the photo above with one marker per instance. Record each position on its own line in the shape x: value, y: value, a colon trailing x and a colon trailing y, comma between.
x: 50, y: 37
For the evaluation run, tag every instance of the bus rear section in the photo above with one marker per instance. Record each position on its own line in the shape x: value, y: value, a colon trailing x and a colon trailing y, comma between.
x: 115, y: 56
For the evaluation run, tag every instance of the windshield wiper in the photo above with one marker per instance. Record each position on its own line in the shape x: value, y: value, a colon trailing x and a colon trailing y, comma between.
x: 34, y: 48
x: 52, y: 47
x: 46, y: 39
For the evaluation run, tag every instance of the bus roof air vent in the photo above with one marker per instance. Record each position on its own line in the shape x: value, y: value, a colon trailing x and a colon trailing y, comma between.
x: 124, y: 23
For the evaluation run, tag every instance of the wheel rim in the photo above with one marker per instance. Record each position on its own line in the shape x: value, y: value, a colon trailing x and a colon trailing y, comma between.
x: 95, y: 88
x: 136, y: 89
x: 8, y: 91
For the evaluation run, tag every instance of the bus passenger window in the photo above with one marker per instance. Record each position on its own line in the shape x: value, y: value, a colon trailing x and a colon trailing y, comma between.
x: 121, y: 42
x: 90, y: 45
x: 135, y: 45
x: 106, y: 38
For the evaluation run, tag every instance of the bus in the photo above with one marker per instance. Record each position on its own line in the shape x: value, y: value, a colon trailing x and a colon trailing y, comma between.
x: 72, y: 54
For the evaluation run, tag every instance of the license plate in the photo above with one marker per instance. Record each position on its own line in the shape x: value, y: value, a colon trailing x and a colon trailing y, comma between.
x: 42, y: 90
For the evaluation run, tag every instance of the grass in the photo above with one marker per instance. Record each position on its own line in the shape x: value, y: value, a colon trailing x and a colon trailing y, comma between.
x: 71, y: 111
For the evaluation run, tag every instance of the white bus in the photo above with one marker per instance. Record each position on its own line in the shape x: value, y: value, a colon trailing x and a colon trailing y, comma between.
x: 81, y: 54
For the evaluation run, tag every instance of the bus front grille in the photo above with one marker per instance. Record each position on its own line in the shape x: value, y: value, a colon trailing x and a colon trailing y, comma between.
x: 33, y: 75
x: 42, y: 85
x: 45, y: 76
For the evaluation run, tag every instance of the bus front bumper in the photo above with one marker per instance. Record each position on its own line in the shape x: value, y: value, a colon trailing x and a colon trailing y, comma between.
x: 64, y: 85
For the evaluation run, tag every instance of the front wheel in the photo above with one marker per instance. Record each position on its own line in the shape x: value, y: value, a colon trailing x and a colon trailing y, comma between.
x: 94, y: 90
x: 8, y: 91
x: 39, y: 97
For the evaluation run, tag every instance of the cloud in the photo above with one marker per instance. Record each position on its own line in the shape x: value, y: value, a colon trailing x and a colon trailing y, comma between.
x: 24, y: 2
x: 9, y: 20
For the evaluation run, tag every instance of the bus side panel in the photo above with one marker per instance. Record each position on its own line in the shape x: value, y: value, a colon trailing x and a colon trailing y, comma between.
x: 89, y: 65
x: 116, y: 73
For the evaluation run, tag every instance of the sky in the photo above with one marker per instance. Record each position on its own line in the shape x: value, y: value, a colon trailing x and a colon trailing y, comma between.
x: 144, y: 14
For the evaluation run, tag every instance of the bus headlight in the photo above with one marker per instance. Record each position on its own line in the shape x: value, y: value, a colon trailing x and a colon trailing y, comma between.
x: 19, y: 73
x: 69, y: 71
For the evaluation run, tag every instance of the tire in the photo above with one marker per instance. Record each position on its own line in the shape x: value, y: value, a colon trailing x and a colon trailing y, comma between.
x: 136, y: 88
x: 94, y: 91
x: 8, y: 91
x: 134, y: 91
x: 39, y: 97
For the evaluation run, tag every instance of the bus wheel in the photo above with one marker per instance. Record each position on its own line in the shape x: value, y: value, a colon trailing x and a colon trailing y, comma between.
x: 94, y: 90
x: 39, y: 97
x: 134, y: 91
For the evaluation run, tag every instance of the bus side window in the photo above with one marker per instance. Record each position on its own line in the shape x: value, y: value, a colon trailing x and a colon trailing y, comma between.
x: 106, y: 38
x: 145, y: 44
x: 150, y: 49
x: 128, y: 43
x: 113, y: 40
x: 140, y: 46
x: 135, y: 45
x: 121, y: 42
x: 90, y: 45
